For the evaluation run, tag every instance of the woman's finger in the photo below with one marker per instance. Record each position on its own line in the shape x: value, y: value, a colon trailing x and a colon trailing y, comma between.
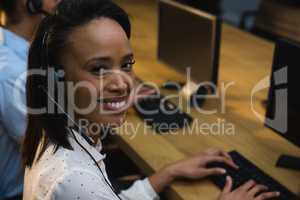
x: 228, y: 186
x: 257, y: 189
x: 247, y: 186
x: 218, y: 152
x: 267, y: 195
x: 225, y: 154
x: 212, y: 171
x: 221, y: 159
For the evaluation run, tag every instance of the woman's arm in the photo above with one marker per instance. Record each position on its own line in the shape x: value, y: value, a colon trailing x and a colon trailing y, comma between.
x: 191, y: 168
x: 141, y: 189
x: 195, y: 167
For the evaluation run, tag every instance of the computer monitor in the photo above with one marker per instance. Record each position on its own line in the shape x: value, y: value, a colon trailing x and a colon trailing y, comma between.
x: 283, y: 108
x: 189, y: 37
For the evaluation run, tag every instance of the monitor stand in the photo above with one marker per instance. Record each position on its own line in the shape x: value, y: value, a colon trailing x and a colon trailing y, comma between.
x: 196, y: 94
x: 289, y: 162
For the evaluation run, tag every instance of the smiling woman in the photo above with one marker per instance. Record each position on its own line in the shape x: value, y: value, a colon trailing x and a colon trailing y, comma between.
x: 100, y: 54
x: 89, y: 41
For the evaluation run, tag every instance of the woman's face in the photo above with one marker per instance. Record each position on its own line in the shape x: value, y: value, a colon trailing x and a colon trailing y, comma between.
x: 99, y: 63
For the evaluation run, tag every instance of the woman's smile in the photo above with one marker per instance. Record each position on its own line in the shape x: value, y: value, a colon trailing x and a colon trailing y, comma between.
x: 116, y: 104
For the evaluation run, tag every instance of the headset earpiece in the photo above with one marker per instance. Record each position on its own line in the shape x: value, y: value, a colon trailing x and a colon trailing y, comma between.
x: 35, y: 6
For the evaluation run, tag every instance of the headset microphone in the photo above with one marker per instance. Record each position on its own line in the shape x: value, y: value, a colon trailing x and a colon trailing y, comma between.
x: 76, y: 140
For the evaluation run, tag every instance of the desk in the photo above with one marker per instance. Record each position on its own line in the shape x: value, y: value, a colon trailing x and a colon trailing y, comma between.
x: 245, y: 59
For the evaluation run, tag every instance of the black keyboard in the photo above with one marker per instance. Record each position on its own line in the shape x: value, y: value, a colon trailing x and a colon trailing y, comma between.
x: 248, y: 171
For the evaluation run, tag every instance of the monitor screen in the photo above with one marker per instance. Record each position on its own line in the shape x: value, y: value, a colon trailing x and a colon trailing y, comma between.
x: 189, y: 37
x: 284, y: 93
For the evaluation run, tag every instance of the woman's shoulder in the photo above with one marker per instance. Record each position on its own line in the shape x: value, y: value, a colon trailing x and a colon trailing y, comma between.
x: 53, y: 177
x: 51, y: 165
x: 79, y: 184
x: 58, y: 160
x: 62, y: 169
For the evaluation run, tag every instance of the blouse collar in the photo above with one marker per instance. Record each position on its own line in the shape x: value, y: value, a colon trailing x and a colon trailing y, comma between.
x: 84, y: 141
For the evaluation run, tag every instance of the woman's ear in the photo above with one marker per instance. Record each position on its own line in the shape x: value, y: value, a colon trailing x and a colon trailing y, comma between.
x: 50, y: 5
x: 38, y: 7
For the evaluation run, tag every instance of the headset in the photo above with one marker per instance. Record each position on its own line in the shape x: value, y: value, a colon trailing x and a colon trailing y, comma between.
x: 35, y: 7
x: 57, y: 77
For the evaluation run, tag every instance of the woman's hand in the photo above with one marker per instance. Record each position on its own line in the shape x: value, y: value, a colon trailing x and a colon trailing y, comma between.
x: 194, y: 167
x: 248, y: 191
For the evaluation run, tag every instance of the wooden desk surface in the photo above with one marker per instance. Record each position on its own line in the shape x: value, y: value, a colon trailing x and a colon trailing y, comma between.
x: 245, y: 60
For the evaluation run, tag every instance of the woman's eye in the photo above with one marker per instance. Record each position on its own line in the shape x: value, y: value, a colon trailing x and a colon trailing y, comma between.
x: 99, y: 70
x: 128, y: 66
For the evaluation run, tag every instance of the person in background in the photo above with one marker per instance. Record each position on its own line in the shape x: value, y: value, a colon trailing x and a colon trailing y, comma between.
x: 22, y: 18
x: 86, y: 42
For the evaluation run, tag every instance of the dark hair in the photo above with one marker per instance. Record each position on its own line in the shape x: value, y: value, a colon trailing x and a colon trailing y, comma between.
x: 46, y: 50
x: 10, y: 7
